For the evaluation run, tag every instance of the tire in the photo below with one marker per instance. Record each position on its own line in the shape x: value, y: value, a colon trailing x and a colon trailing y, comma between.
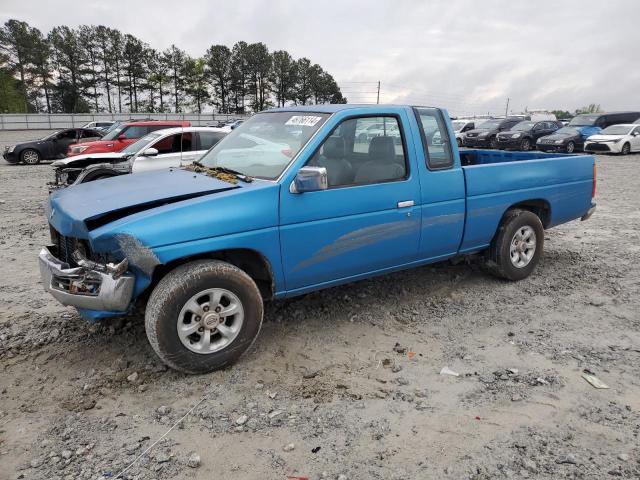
x: 500, y: 261
x: 626, y: 149
x: 525, y: 145
x: 571, y: 147
x: 170, y: 306
x: 493, y: 142
x: 29, y: 156
x: 459, y: 142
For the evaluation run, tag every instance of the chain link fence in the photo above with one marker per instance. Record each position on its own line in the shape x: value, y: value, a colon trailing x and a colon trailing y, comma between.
x: 55, y: 121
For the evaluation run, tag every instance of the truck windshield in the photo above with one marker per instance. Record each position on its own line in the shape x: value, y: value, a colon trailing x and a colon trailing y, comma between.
x: 583, y: 121
x: 265, y: 144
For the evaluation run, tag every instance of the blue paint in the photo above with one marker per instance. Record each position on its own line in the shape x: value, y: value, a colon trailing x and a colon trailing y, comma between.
x: 319, y: 239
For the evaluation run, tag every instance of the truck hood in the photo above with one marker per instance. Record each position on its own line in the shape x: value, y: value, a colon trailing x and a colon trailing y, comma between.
x: 75, y: 210
x: 89, y: 159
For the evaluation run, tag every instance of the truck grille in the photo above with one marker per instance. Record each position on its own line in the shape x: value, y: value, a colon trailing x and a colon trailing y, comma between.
x: 66, y: 246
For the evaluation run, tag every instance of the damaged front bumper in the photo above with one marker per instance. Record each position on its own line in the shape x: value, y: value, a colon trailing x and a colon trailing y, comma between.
x: 90, y: 285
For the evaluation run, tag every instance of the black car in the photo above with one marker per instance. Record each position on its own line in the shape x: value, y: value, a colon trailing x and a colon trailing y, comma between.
x: 485, y: 134
x: 566, y: 139
x: 524, y: 135
x: 52, y: 146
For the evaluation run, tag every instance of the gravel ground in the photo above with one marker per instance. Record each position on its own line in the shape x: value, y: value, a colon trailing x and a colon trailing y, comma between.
x: 344, y: 383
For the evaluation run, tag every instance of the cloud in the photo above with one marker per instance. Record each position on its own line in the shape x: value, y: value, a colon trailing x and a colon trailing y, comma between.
x: 466, y: 55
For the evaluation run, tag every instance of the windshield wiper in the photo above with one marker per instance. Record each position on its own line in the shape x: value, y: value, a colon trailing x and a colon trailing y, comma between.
x: 201, y: 168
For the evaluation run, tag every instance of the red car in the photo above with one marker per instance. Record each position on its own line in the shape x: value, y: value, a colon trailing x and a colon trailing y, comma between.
x: 123, y: 135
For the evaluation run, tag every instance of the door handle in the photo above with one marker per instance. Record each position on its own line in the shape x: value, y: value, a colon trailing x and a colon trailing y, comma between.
x: 406, y: 203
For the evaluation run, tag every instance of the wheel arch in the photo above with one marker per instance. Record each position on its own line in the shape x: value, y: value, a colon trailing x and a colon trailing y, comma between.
x: 88, y: 174
x: 250, y: 261
x: 538, y: 206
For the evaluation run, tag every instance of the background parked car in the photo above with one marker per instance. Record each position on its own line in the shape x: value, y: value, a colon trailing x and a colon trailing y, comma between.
x: 100, y: 125
x: 172, y: 147
x: 591, y: 123
x: 124, y: 135
x: 524, y: 135
x: 622, y: 139
x: 566, y: 139
x: 485, y: 134
x: 53, y: 146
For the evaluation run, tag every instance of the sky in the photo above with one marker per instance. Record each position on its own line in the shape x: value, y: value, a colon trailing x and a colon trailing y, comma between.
x: 469, y: 56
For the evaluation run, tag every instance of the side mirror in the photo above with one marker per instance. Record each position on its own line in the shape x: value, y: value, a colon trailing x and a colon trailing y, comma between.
x: 635, y: 134
x: 310, y: 179
x: 150, y: 152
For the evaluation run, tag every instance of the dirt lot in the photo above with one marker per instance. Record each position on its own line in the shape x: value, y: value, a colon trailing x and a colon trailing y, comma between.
x: 344, y: 383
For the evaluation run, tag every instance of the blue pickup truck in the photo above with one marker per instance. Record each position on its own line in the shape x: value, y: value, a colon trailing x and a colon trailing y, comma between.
x: 295, y: 200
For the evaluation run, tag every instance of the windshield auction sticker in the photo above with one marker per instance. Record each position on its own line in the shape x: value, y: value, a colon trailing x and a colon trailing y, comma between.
x: 303, y: 120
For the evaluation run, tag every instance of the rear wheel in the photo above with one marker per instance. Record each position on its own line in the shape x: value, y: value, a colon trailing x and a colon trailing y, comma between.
x: 30, y: 156
x: 203, y: 315
x: 626, y: 149
x: 517, y: 246
x: 571, y: 147
x: 525, y: 146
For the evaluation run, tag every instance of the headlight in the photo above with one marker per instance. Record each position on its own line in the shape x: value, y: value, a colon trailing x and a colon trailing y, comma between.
x: 79, y: 149
x: 11, y: 148
x: 618, y: 140
x: 558, y: 142
x: 516, y: 135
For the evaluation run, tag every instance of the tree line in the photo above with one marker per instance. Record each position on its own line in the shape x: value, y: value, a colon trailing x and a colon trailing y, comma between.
x: 100, y: 69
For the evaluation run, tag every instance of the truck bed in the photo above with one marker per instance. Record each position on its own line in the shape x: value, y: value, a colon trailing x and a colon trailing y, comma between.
x: 560, y: 185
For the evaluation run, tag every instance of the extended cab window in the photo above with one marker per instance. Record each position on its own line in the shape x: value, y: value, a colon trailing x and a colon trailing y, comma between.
x: 361, y: 151
x: 435, y: 138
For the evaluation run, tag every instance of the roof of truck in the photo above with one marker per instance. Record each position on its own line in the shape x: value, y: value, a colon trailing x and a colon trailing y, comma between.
x: 332, y: 107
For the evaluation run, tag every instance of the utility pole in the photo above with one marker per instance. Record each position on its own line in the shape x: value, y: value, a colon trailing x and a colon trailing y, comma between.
x: 378, y: 98
x: 506, y: 110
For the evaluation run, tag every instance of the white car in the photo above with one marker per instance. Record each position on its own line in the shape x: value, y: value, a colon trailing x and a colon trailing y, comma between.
x: 460, y: 127
x: 170, y: 147
x: 623, y: 139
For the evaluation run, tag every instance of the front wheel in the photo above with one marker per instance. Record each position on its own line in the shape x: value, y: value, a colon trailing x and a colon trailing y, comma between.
x: 459, y: 142
x: 494, y: 143
x: 203, y: 315
x: 571, y: 147
x: 626, y: 149
x: 516, y: 249
x: 525, y: 146
x: 30, y: 156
